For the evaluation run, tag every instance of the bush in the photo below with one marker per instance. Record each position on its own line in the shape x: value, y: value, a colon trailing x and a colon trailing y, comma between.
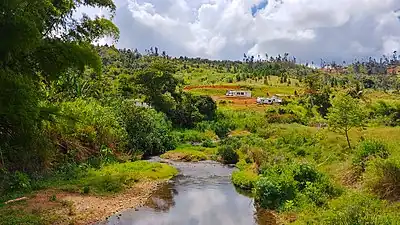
x: 367, y: 149
x: 354, y: 209
x: 208, y: 144
x: 148, y: 131
x: 385, y: 113
x: 274, y: 190
x: 222, y: 129
x: 191, y: 110
x: 19, y: 182
x: 85, y: 127
x: 186, y: 155
x: 244, y: 179
x: 195, y: 136
x: 383, y: 178
x: 305, y: 174
x: 228, y: 154
x: 24, y: 145
x: 300, y: 183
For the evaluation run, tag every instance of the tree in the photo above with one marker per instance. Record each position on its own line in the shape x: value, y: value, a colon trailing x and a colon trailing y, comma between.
x: 43, y: 40
x: 191, y: 109
x: 158, y: 85
x: 148, y: 130
x: 345, y: 114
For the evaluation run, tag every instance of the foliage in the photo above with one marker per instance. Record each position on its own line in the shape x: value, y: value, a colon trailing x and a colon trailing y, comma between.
x: 195, y: 136
x: 208, y: 144
x: 271, y: 192
x: 116, y: 177
x: 44, y: 40
x: 191, y: 110
x: 186, y: 155
x: 15, y: 216
x: 23, y: 145
x: 158, y: 84
x: 368, y: 149
x: 244, y: 179
x: 300, y: 183
x: 228, y: 154
x: 148, y: 131
x: 382, y: 177
x: 354, y: 208
x: 282, y: 115
x: 345, y: 114
x: 388, y: 114
x: 84, y: 127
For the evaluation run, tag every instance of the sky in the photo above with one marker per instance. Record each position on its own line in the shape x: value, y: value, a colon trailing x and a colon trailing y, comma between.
x: 334, y: 30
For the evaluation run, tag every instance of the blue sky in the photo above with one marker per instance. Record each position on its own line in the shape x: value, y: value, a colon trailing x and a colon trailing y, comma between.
x: 257, y: 7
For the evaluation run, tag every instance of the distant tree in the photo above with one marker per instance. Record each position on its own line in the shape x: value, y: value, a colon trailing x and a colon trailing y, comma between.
x: 345, y: 114
x: 158, y: 85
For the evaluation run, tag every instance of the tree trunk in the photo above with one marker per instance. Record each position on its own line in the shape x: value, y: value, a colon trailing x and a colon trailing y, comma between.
x: 347, y: 138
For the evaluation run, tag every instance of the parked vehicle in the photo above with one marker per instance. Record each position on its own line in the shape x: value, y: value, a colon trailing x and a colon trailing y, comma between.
x: 269, y: 101
x: 236, y: 93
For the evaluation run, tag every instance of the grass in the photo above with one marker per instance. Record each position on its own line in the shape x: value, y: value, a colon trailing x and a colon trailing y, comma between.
x: 190, y: 153
x: 11, y: 216
x: 111, y: 178
x: 244, y: 179
x: 257, y: 90
x: 116, y: 177
x: 108, y: 180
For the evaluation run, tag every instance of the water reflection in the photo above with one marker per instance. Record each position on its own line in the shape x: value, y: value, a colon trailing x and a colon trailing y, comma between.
x: 202, y: 195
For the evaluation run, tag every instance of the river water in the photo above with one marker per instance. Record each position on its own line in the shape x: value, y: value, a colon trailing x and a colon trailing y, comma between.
x: 202, y: 194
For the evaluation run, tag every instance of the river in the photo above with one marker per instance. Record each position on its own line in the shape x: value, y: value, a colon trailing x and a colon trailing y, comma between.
x: 202, y: 194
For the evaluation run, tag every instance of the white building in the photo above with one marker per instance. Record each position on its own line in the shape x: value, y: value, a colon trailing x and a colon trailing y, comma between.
x: 238, y: 93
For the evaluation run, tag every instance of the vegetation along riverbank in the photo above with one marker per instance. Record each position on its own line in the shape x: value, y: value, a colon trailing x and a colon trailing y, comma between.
x: 77, y: 121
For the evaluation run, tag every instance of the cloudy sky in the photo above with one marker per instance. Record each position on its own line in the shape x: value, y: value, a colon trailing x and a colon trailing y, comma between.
x: 225, y: 29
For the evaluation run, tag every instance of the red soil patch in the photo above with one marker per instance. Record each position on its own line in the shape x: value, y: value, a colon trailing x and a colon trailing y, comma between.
x: 230, y: 87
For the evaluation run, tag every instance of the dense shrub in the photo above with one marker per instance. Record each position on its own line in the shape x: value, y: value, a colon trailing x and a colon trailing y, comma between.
x: 300, y: 143
x: 367, y: 149
x: 228, y: 154
x: 383, y: 178
x: 185, y: 136
x: 300, y: 183
x: 354, y: 209
x: 24, y: 145
x: 282, y: 115
x: 84, y: 127
x: 244, y: 179
x: 208, y: 144
x: 148, y: 131
x: 273, y: 190
x: 192, y: 109
x: 305, y: 174
x: 387, y: 114
x: 221, y: 127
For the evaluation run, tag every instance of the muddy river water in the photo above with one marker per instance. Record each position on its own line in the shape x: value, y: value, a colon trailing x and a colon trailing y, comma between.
x: 202, y: 194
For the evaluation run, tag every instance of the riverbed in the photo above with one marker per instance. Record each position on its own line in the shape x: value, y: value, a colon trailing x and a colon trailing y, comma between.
x: 202, y: 194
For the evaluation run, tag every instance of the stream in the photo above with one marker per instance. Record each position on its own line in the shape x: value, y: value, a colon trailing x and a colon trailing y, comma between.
x: 202, y: 194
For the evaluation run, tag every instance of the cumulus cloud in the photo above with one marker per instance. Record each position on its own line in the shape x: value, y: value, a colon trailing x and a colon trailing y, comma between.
x: 225, y: 29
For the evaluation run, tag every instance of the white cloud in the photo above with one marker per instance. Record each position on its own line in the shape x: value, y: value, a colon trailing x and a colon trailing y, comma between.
x: 225, y: 29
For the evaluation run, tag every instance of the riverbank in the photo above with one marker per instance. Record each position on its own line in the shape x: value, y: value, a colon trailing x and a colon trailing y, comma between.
x: 91, y: 198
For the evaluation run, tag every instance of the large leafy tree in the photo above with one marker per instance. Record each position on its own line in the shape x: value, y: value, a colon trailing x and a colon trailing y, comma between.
x: 158, y: 85
x: 45, y: 36
x: 40, y: 40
